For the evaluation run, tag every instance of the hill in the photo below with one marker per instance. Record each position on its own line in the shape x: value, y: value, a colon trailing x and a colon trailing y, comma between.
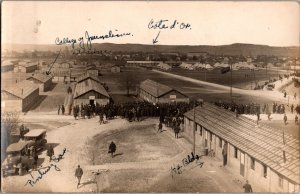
x: 233, y: 49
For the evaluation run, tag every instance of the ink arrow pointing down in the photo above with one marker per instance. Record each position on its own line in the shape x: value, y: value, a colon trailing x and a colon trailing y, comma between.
x: 155, y: 40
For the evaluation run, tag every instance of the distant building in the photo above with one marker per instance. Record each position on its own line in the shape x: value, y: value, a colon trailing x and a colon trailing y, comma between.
x: 87, y: 76
x: 164, y: 66
x: 26, y: 67
x: 59, y: 74
x: 92, y: 70
x: 44, y: 81
x: 155, y: 92
x: 191, y: 55
x: 115, y: 69
x: 143, y: 63
x: 255, y: 153
x: 7, y: 66
x: 19, y: 97
x: 90, y: 91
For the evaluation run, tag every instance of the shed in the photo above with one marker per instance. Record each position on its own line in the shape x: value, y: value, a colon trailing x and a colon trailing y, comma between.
x: 155, y: 92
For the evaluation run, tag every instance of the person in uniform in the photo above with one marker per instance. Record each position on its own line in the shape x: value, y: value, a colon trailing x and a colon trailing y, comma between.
x: 78, y: 174
x: 50, y: 152
x: 247, y: 187
x: 112, y: 149
x: 285, y: 119
x: 101, y: 118
x: 296, y: 120
x: 62, y: 109
x: 159, y: 127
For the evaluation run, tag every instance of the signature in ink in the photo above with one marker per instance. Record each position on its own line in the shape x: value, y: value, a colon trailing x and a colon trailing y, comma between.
x: 42, y: 172
x: 86, y: 40
x: 60, y: 156
x: 166, y: 24
x: 177, y: 169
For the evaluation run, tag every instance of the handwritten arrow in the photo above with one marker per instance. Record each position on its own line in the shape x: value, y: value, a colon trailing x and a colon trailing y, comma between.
x: 48, y: 72
x: 155, y: 40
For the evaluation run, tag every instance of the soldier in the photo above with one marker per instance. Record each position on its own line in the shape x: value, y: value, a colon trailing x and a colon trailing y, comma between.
x: 285, y: 119
x: 296, y: 120
x: 58, y: 111
x: 78, y: 174
x: 35, y: 160
x: 176, y: 130
x: 292, y: 108
x: 247, y: 187
x: 50, y: 152
x: 62, y: 109
x: 159, y: 127
x: 112, y: 149
x: 75, y: 112
x: 22, y: 131
x: 101, y: 118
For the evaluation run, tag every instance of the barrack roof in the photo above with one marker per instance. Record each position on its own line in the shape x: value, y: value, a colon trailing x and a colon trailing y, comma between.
x: 260, y: 142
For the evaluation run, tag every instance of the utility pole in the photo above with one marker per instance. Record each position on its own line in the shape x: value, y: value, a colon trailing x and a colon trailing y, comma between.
x: 283, y: 149
x: 231, y: 81
x: 194, y: 130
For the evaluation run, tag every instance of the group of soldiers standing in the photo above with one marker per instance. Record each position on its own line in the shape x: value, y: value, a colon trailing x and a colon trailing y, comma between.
x: 132, y: 111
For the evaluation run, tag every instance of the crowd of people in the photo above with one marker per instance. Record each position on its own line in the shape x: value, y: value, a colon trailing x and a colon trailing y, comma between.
x: 133, y: 111
x: 254, y: 109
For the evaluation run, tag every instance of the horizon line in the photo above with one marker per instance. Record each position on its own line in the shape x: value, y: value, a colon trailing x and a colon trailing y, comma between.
x: 45, y: 44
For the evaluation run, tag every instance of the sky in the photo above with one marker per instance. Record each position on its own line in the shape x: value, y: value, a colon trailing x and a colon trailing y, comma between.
x: 211, y: 23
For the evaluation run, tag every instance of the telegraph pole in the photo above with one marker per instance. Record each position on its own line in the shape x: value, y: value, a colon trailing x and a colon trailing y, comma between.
x: 194, y: 130
x: 231, y: 81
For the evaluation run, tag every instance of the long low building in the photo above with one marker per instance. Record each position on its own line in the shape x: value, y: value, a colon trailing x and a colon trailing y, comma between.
x: 90, y: 91
x: 26, y: 67
x: 20, y: 96
x: 143, y: 63
x: 253, y: 152
x: 155, y: 92
x: 44, y: 81
x: 7, y: 66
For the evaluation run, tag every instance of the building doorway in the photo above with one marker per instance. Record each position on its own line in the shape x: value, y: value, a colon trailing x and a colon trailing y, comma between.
x: 224, y: 153
x: 92, y: 102
x: 242, y: 164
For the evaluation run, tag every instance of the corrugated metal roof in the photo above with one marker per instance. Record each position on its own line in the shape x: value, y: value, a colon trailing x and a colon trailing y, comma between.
x: 154, y: 88
x: 89, y: 85
x: 21, y: 89
x: 41, y: 77
x: 35, y: 132
x: 261, y: 142
x: 87, y: 76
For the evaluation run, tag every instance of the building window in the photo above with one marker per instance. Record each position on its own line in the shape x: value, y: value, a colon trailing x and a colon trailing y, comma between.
x: 235, y: 152
x: 252, y: 163
x: 265, y: 173
x: 201, y: 131
x: 280, y: 181
x: 220, y: 142
x: 211, y: 135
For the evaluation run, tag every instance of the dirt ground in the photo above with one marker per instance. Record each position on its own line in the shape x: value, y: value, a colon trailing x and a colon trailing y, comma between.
x: 145, y: 168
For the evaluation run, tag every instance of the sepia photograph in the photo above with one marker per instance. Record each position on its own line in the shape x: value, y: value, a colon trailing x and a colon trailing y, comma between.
x: 150, y: 96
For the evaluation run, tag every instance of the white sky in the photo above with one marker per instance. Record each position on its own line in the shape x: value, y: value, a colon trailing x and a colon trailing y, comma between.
x: 213, y: 23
